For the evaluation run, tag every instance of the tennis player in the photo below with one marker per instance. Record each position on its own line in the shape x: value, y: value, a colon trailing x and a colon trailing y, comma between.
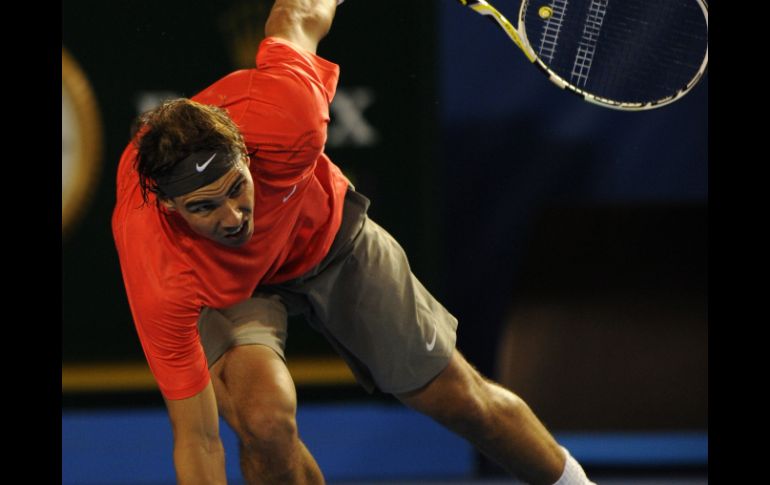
x: 229, y: 218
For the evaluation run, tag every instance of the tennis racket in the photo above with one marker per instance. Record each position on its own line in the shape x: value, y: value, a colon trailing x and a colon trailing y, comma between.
x: 622, y: 54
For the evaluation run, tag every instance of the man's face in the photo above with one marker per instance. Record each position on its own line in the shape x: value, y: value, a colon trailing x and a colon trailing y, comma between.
x: 221, y: 211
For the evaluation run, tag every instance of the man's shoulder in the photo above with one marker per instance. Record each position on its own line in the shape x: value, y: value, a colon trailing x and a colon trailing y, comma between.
x: 160, y: 283
x: 143, y: 241
x: 228, y: 90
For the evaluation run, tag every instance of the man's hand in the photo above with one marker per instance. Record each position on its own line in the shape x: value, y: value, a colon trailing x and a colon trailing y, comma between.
x: 302, y: 22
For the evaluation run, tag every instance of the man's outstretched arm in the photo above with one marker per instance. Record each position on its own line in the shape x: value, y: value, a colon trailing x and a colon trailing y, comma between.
x: 199, y: 456
x: 302, y: 22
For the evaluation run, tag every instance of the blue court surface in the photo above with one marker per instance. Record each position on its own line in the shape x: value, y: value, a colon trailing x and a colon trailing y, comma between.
x: 355, y: 444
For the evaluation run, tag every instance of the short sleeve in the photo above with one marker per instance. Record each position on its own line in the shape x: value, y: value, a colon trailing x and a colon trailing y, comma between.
x: 280, y: 54
x: 165, y: 308
x: 286, y: 120
x: 171, y: 343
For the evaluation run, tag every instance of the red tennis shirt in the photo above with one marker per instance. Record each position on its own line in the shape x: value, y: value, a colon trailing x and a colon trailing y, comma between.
x: 171, y: 273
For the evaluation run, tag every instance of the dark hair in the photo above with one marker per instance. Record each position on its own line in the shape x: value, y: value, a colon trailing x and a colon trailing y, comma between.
x: 175, y: 129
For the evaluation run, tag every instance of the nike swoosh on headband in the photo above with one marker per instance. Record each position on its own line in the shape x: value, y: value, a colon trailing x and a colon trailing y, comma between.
x: 201, y: 168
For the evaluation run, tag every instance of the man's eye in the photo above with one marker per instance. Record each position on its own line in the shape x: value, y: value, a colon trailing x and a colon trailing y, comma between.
x: 201, y: 209
x: 237, y: 189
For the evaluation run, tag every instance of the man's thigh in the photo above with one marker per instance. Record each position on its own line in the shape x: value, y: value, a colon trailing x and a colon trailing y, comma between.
x: 244, y: 346
x: 377, y: 314
x: 260, y: 319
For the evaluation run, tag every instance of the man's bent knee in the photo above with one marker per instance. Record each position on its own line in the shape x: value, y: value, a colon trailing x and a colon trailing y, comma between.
x: 270, y: 438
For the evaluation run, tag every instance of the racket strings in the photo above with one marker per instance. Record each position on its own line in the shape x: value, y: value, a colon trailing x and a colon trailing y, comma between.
x: 650, y: 59
x: 624, y: 50
x: 587, y: 45
x: 550, y: 35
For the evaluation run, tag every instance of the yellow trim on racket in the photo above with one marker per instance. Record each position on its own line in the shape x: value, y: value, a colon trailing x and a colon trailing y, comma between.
x: 484, y: 8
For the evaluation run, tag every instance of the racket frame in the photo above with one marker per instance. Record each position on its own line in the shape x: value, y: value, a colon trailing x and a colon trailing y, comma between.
x: 519, y: 37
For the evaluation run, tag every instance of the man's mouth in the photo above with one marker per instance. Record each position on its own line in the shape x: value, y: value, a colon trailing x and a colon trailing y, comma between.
x: 240, y: 231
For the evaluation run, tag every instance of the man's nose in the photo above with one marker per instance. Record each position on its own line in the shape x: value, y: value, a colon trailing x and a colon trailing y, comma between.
x: 233, y: 217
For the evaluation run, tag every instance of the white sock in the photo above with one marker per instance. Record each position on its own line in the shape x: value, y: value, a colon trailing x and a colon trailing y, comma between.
x: 573, y: 473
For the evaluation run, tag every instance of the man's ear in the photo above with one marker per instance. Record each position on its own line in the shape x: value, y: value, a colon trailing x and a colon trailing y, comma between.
x: 168, y: 204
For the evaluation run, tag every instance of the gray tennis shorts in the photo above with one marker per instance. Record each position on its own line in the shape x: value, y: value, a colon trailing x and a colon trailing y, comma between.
x: 362, y: 297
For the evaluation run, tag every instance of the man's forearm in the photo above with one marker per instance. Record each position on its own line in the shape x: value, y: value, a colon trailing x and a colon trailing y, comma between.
x: 200, y: 462
x: 304, y: 22
x: 199, y: 457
